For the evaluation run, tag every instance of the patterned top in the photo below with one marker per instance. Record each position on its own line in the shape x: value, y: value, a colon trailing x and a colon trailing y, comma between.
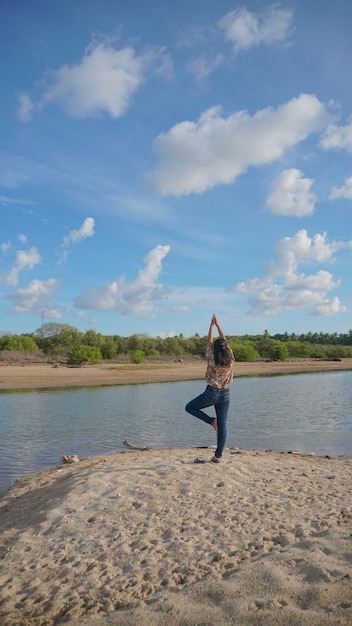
x: 218, y: 376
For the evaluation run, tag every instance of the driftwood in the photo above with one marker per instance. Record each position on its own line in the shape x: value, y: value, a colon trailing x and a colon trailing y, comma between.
x: 131, y: 446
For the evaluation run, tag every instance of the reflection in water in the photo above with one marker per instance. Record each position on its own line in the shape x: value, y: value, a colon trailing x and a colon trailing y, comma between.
x: 305, y: 412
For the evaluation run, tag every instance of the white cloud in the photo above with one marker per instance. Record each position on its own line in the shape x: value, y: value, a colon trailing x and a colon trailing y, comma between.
x: 284, y: 288
x: 291, y: 195
x: 86, y: 230
x: 337, y: 137
x: 165, y: 334
x: 302, y: 249
x: 247, y: 30
x: 25, y: 107
x: 104, y: 81
x: 328, y: 308
x: 75, y: 236
x: 244, y: 30
x: 136, y: 298
x: 37, y: 297
x: 83, y: 317
x: 5, y: 247
x: 203, y: 66
x: 321, y: 281
x: 24, y: 259
x: 22, y: 238
x: 8, y: 201
x: 196, y: 156
x: 179, y: 309
x: 343, y: 192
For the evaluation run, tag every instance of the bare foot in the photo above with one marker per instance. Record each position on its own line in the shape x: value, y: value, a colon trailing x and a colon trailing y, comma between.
x: 215, y: 425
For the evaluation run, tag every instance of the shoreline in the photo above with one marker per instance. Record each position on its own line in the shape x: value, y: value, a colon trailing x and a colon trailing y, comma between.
x: 135, y: 538
x: 35, y: 376
x: 148, y: 538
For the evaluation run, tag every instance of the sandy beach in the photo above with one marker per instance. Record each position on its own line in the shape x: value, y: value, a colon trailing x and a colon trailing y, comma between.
x: 152, y: 538
x: 148, y: 538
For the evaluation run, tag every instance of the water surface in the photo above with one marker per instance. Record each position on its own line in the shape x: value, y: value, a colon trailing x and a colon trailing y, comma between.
x: 301, y: 412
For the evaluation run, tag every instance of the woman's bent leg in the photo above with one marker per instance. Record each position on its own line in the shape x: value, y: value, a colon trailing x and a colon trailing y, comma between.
x: 207, y: 398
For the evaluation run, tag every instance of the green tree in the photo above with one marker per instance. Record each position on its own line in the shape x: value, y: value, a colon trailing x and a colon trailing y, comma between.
x: 278, y: 351
x: 173, y: 346
x: 133, y: 343
x: 92, y: 338
x: 121, y: 344
x: 264, y: 346
x: 55, y: 338
x: 109, y: 349
x: 302, y: 349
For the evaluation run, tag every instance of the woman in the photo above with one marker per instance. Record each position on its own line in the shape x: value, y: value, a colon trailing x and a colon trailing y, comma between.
x: 218, y: 375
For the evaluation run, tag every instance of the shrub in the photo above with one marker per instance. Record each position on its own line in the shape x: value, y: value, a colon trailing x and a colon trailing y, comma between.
x: 84, y: 354
x: 244, y: 351
x: 153, y: 352
x: 137, y: 356
x: 21, y: 343
x: 278, y: 351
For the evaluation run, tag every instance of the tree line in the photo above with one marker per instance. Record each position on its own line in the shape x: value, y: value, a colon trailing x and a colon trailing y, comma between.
x: 67, y: 343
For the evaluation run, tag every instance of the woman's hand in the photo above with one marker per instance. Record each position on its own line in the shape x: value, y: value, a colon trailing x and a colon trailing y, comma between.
x: 214, y: 321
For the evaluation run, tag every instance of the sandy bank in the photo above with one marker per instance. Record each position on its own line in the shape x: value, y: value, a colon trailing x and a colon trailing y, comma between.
x: 32, y: 376
x: 152, y: 538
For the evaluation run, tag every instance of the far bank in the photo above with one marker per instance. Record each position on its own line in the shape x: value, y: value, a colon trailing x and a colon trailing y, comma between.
x: 47, y: 375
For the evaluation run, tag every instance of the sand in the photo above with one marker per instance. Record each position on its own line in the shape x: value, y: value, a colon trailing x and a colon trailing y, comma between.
x: 44, y: 375
x: 151, y: 538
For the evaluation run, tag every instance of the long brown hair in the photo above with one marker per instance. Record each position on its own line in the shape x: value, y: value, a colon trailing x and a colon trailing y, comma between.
x: 222, y: 352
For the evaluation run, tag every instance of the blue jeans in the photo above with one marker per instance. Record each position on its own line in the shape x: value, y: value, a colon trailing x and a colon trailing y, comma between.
x: 220, y: 398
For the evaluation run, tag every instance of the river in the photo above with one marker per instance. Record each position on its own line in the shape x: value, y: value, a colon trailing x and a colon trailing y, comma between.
x: 307, y: 413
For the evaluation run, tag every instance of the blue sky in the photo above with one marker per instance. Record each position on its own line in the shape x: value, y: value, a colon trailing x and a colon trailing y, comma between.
x: 161, y: 161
